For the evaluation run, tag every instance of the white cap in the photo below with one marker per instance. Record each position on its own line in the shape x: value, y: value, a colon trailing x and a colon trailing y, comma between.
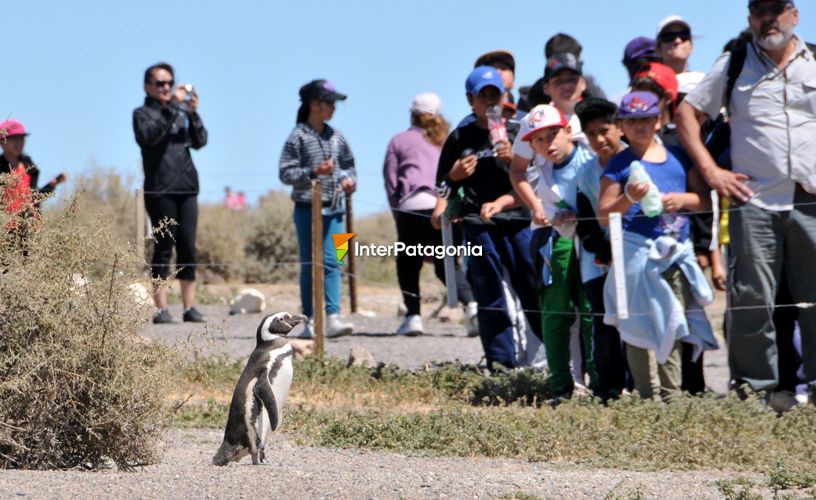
x: 671, y: 20
x: 541, y: 117
x: 688, y: 80
x: 427, y: 102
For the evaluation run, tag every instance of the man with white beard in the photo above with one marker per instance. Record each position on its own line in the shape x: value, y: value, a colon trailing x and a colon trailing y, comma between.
x: 771, y: 104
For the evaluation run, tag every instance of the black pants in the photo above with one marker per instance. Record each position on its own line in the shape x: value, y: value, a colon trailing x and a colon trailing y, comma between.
x: 785, y: 322
x: 607, y: 350
x: 183, y: 209
x: 416, y: 229
x: 693, y: 378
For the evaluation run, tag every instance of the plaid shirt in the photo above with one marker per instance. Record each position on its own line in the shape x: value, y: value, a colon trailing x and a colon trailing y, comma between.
x: 303, y: 151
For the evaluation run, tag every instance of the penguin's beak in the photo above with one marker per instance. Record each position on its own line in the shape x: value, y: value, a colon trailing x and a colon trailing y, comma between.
x: 292, y: 322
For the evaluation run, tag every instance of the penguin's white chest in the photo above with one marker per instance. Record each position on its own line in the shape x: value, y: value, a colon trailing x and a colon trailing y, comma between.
x: 281, y: 382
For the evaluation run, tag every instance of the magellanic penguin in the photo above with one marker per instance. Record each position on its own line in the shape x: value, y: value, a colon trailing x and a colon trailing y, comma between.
x: 261, y: 391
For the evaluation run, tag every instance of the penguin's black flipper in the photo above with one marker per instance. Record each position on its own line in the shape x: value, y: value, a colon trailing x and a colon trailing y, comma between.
x: 263, y: 390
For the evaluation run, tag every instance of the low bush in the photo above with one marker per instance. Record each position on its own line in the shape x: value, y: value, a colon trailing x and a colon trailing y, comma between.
x: 79, y: 388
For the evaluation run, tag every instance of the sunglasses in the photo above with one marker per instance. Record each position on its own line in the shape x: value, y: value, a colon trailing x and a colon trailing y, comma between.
x: 670, y: 36
x: 775, y: 8
x: 161, y: 83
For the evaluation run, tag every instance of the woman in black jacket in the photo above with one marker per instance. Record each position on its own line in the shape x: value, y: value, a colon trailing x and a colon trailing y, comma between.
x: 166, y: 127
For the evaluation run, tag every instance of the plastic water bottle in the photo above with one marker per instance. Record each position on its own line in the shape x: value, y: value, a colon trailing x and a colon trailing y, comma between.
x: 651, y: 204
x: 495, y: 124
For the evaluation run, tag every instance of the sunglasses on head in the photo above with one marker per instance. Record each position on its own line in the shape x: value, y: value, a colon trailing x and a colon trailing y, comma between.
x: 161, y: 83
x: 775, y: 8
x: 670, y: 36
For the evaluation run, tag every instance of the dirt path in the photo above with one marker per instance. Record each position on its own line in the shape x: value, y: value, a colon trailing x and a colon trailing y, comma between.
x: 301, y: 472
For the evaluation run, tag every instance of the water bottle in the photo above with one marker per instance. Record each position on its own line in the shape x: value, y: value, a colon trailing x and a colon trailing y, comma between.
x: 651, y: 204
x: 495, y: 125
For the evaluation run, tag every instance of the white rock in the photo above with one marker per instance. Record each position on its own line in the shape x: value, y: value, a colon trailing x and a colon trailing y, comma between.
x: 302, y: 347
x: 248, y: 300
x: 141, y: 295
x: 359, y: 356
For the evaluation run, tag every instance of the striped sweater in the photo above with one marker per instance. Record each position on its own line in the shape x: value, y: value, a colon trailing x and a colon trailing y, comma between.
x: 304, y: 150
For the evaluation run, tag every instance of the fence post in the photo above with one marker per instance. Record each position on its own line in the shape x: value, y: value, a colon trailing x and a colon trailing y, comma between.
x: 618, y: 270
x: 352, y: 265
x: 140, y: 226
x: 317, y: 264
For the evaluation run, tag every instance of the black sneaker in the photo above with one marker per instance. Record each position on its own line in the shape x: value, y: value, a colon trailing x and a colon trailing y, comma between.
x: 192, y: 315
x: 163, y: 317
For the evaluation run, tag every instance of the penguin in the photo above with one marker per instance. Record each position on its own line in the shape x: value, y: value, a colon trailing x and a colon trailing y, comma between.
x: 257, y: 402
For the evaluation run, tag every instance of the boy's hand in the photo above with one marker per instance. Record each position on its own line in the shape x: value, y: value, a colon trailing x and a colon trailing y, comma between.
x: 503, y: 151
x: 489, y: 209
x: 672, y: 202
x: 637, y: 190
x: 539, y: 218
x: 463, y: 168
x: 718, y: 276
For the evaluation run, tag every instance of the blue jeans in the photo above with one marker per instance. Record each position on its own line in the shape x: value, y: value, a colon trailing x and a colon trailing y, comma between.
x: 502, y: 247
x: 331, y: 269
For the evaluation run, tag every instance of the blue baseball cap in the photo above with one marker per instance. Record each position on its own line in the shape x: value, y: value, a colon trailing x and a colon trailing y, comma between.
x: 481, y: 77
x: 639, y: 104
x: 752, y: 2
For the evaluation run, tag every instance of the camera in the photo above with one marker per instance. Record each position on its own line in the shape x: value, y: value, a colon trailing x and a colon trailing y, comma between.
x: 188, y: 88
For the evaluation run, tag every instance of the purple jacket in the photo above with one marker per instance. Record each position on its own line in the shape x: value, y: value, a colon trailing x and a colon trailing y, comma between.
x: 410, y: 166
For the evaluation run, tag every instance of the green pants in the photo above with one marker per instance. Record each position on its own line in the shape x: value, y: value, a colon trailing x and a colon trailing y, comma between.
x: 560, y: 303
x: 651, y: 378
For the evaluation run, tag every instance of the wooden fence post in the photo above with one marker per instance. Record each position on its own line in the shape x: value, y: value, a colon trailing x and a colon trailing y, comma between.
x: 141, y: 226
x: 317, y: 264
x: 352, y: 265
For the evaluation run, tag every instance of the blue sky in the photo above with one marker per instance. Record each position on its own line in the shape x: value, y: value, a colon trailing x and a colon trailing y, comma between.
x: 72, y: 71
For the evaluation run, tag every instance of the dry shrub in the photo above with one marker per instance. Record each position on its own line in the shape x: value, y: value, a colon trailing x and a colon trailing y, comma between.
x: 220, y: 242
x: 107, y: 195
x: 378, y: 228
x: 78, y: 386
x: 271, y: 245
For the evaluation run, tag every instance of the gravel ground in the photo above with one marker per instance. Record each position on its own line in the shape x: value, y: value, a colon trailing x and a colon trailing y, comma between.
x: 443, y: 341
x: 297, y: 471
x: 301, y: 472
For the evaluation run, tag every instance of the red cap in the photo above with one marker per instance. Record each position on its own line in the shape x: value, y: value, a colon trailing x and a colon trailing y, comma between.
x: 663, y: 76
x: 12, y: 128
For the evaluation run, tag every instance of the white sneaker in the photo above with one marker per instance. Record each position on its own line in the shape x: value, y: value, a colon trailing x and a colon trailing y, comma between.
x: 411, y: 326
x: 336, y: 326
x: 471, y: 319
x: 307, y: 332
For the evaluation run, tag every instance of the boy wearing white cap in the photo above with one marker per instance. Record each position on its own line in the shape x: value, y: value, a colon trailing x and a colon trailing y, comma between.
x: 549, y: 135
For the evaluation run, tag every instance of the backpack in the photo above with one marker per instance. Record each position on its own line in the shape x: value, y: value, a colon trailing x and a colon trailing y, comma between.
x: 735, y: 65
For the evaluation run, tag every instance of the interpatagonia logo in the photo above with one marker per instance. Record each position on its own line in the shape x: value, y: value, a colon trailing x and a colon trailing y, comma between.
x: 341, y: 245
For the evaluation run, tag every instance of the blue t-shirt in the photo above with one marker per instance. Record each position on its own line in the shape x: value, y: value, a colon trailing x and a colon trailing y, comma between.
x: 669, y: 177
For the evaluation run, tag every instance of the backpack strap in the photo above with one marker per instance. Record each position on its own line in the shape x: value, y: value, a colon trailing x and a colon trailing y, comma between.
x: 735, y: 65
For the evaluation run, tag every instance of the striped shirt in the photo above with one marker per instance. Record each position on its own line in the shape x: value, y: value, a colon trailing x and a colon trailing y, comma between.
x: 304, y: 151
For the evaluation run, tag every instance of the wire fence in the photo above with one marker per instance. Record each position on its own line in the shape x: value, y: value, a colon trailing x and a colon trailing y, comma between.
x: 357, y: 276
